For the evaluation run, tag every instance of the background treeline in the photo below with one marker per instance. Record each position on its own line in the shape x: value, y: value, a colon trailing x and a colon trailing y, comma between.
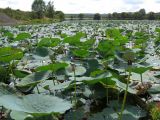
x: 139, y: 15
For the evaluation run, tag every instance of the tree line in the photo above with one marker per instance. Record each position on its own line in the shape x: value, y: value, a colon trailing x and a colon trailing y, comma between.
x: 139, y: 15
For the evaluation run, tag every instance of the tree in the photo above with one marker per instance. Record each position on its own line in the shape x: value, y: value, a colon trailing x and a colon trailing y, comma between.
x: 151, y: 16
x: 141, y: 14
x: 81, y: 16
x: 50, y: 10
x: 109, y: 16
x: 38, y: 7
x: 60, y: 15
x: 71, y: 17
x: 115, y: 15
x: 97, y: 16
x: 124, y: 15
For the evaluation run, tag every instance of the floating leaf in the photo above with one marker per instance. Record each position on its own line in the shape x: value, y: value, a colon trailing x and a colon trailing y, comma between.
x: 51, y: 86
x: 36, y: 104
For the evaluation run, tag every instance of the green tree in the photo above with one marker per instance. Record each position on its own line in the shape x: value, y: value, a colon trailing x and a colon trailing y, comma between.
x: 151, y: 16
x: 81, y: 16
x: 71, y: 18
x: 97, y: 16
x: 115, y: 15
x: 109, y: 16
x: 38, y: 7
x: 141, y: 14
x: 50, y: 10
x: 60, y: 15
x: 124, y: 15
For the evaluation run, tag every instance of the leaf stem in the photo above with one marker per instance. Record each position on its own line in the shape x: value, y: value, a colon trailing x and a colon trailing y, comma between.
x: 37, y: 89
x: 107, y: 96
x: 75, y: 88
x: 141, y: 78
x: 125, y: 95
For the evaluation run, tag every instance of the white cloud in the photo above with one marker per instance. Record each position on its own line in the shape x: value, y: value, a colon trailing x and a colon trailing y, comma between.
x: 89, y: 6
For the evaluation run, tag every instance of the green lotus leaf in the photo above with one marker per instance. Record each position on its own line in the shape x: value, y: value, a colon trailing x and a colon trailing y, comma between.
x: 7, y: 54
x: 35, y: 104
x: 42, y: 51
x: 9, y: 35
x: 22, y: 36
x: 91, y: 80
x: 49, y: 84
x: 49, y: 42
x: 6, y: 90
x: 53, y: 67
x: 113, y: 33
x: 123, y: 86
x: 147, y: 77
x: 79, y: 70
x: 73, y: 40
x: 34, y: 78
x: 20, y: 73
x: 81, y: 53
x: 18, y: 115
x: 140, y: 70
x: 155, y: 89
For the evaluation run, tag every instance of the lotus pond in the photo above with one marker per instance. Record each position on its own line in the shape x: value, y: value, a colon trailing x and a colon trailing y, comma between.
x: 85, y: 70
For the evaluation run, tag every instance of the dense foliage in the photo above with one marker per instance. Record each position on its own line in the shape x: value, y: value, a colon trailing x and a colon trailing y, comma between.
x: 92, y: 70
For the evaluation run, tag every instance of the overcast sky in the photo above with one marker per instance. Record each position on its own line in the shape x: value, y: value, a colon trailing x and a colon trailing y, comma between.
x: 89, y: 6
